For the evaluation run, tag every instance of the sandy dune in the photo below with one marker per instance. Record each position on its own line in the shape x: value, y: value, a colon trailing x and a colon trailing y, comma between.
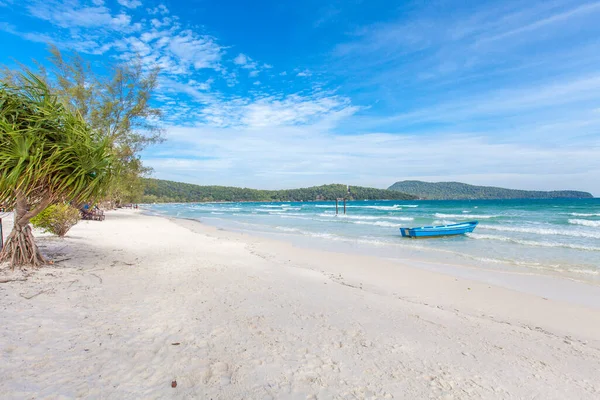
x: 135, y: 302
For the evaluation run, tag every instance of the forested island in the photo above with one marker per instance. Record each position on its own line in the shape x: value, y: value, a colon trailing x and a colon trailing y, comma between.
x: 161, y: 191
x: 463, y: 191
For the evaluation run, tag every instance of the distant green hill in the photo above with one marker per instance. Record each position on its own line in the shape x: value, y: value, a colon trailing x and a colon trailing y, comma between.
x: 160, y: 191
x: 462, y: 191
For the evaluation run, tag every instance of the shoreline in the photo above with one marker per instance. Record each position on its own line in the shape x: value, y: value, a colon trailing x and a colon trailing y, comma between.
x: 535, y: 243
x: 565, y: 293
x: 137, y: 301
x: 547, y: 285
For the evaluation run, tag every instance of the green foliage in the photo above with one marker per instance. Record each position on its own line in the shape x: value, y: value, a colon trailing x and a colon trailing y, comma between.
x: 462, y: 191
x: 117, y: 108
x: 57, y: 219
x: 160, y: 191
x: 47, y: 152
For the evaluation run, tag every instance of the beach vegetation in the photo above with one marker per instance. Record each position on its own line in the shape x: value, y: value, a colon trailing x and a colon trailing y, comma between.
x: 463, y: 191
x: 57, y: 219
x: 116, y: 104
x: 161, y: 191
x: 48, y: 154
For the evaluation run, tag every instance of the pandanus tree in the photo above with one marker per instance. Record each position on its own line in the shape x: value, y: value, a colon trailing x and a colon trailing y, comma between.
x: 48, y: 154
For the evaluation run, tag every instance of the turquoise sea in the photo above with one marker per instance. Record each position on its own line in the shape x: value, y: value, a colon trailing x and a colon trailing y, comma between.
x: 556, y: 237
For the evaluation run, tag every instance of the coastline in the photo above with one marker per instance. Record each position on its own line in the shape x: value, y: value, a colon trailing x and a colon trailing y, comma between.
x: 548, y: 284
x: 503, y: 292
x: 525, y: 238
x: 142, y: 300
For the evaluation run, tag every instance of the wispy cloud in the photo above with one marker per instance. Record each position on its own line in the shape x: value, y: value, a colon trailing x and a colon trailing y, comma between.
x: 582, y: 10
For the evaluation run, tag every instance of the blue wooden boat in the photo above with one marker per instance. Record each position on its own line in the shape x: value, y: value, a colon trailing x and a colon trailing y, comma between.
x: 442, y: 230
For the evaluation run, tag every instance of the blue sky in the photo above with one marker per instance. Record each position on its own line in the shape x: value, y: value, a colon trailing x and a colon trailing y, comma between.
x: 280, y: 94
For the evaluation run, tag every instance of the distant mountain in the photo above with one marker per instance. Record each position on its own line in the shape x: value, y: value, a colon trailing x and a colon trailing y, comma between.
x: 463, y: 191
x: 160, y: 191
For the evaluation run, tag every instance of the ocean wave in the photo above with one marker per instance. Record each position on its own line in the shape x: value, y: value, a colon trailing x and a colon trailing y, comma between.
x: 367, y: 217
x: 287, y: 214
x: 378, y: 223
x: 286, y: 229
x: 533, y: 242
x: 217, y: 213
x: 439, y: 222
x: 440, y: 215
x: 274, y: 205
x: 395, y: 207
x: 543, y: 231
x: 409, y: 205
x: 585, y: 214
x: 585, y: 222
x: 364, y: 240
x: 382, y: 208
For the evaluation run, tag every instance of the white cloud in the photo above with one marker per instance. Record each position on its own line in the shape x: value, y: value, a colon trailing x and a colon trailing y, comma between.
x: 245, y: 62
x: 287, y: 156
x: 287, y: 110
x: 284, y: 73
x: 256, y: 83
x: 78, y: 16
x: 241, y: 59
x: 253, y: 74
x: 305, y: 73
x: 161, y: 9
x: 198, y: 51
x: 130, y: 3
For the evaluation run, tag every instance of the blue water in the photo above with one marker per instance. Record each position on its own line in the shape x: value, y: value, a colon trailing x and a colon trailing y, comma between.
x: 557, y: 237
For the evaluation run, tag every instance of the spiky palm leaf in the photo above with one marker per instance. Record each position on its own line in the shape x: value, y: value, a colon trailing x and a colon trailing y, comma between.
x: 47, y: 152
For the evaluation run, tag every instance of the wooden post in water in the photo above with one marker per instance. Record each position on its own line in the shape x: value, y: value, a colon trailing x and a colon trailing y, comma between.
x: 336, y: 206
x: 344, y: 206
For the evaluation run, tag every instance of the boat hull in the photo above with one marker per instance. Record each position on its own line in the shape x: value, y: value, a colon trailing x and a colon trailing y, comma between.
x: 437, y: 231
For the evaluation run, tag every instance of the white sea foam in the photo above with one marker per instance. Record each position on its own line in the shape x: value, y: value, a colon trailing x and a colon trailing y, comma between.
x: 368, y: 217
x: 217, y: 213
x: 532, y: 242
x: 283, y: 214
x: 378, y: 223
x: 382, y: 208
x: 543, y: 231
x: 409, y: 205
x: 440, y: 215
x: 585, y: 222
x: 395, y: 207
x: 286, y: 229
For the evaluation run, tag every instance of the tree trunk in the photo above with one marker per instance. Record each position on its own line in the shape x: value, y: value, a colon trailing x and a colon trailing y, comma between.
x: 20, y: 248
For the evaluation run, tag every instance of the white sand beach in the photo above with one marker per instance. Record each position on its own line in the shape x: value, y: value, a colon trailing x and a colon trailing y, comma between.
x: 136, y: 302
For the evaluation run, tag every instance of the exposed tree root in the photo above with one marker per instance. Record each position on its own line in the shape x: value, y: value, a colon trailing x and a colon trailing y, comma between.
x: 20, y: 248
